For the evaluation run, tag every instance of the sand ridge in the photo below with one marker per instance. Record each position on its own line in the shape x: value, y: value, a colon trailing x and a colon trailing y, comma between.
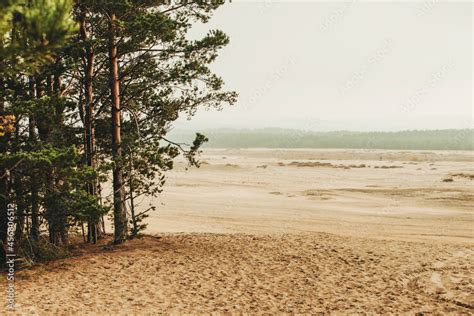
x: 235, y: 273
x: 252, y: 232
x: 395, y: 194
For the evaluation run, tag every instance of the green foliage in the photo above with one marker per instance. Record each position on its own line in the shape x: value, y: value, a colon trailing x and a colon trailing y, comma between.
x: 30, y: 31
x: 45, y: 23
x: 41, y: 251
x: 59, y: 174
x: 137, y: 223
x: 195, y: 149
x: 450, y: 139
x: 52, y: 54
x: 164, y: 75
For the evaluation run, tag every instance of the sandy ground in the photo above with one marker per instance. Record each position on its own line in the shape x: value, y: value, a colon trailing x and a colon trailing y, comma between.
x: 284, y: 231
x: 377, y: 194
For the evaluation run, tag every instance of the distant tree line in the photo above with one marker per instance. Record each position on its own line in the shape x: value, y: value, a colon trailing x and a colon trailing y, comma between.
x: 448, y: 139
x: 89, y: 89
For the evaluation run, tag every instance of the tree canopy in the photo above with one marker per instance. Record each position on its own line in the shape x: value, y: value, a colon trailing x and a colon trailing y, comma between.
x: 89, y: 92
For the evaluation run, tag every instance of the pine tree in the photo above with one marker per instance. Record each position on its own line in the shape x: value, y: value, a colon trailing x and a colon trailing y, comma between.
x: 93, y: 91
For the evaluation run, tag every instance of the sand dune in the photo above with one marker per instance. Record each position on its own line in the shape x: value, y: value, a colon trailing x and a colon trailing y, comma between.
x: 295, y: 273
x: 305, y: 237
x: 309, y: 191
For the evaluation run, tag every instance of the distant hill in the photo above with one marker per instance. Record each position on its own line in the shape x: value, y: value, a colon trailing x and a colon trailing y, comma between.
x: 448, y: 139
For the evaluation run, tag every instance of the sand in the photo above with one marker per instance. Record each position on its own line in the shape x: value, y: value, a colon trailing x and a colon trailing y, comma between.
x: 284, y: 231
x: 396, y: 195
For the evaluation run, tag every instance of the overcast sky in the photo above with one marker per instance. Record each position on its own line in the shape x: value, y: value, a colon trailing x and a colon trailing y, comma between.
x: 344, y: 65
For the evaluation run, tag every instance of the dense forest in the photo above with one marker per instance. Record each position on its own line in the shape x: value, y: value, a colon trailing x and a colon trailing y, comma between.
x: 88, y: 92
x: 449, y: 139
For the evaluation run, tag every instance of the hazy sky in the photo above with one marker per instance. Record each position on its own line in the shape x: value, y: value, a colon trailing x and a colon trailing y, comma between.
x: 344, y: 65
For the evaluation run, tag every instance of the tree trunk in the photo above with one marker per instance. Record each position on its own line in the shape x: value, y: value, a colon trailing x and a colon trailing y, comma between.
x: 49, y: 84
x: 132, y: 202
x: 120, y: 212
x: 21, y: 208
x: 93, y: 229
x: 34, y: 231
x: 61, y: 229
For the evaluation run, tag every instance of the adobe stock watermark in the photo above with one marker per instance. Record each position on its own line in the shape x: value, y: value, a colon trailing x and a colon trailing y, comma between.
x: 360, y: 74
x: 10, y: 254
x: 267, y: 6
x: 463, y: 135
x: 295, y: 137
x: 435, y: 79
x: 280, y: 71
x: 426, y: 7
x: 336, y: 16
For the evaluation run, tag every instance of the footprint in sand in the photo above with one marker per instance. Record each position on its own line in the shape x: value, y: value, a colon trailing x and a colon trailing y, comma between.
x: 450, y: 281
x: 436, y: 280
